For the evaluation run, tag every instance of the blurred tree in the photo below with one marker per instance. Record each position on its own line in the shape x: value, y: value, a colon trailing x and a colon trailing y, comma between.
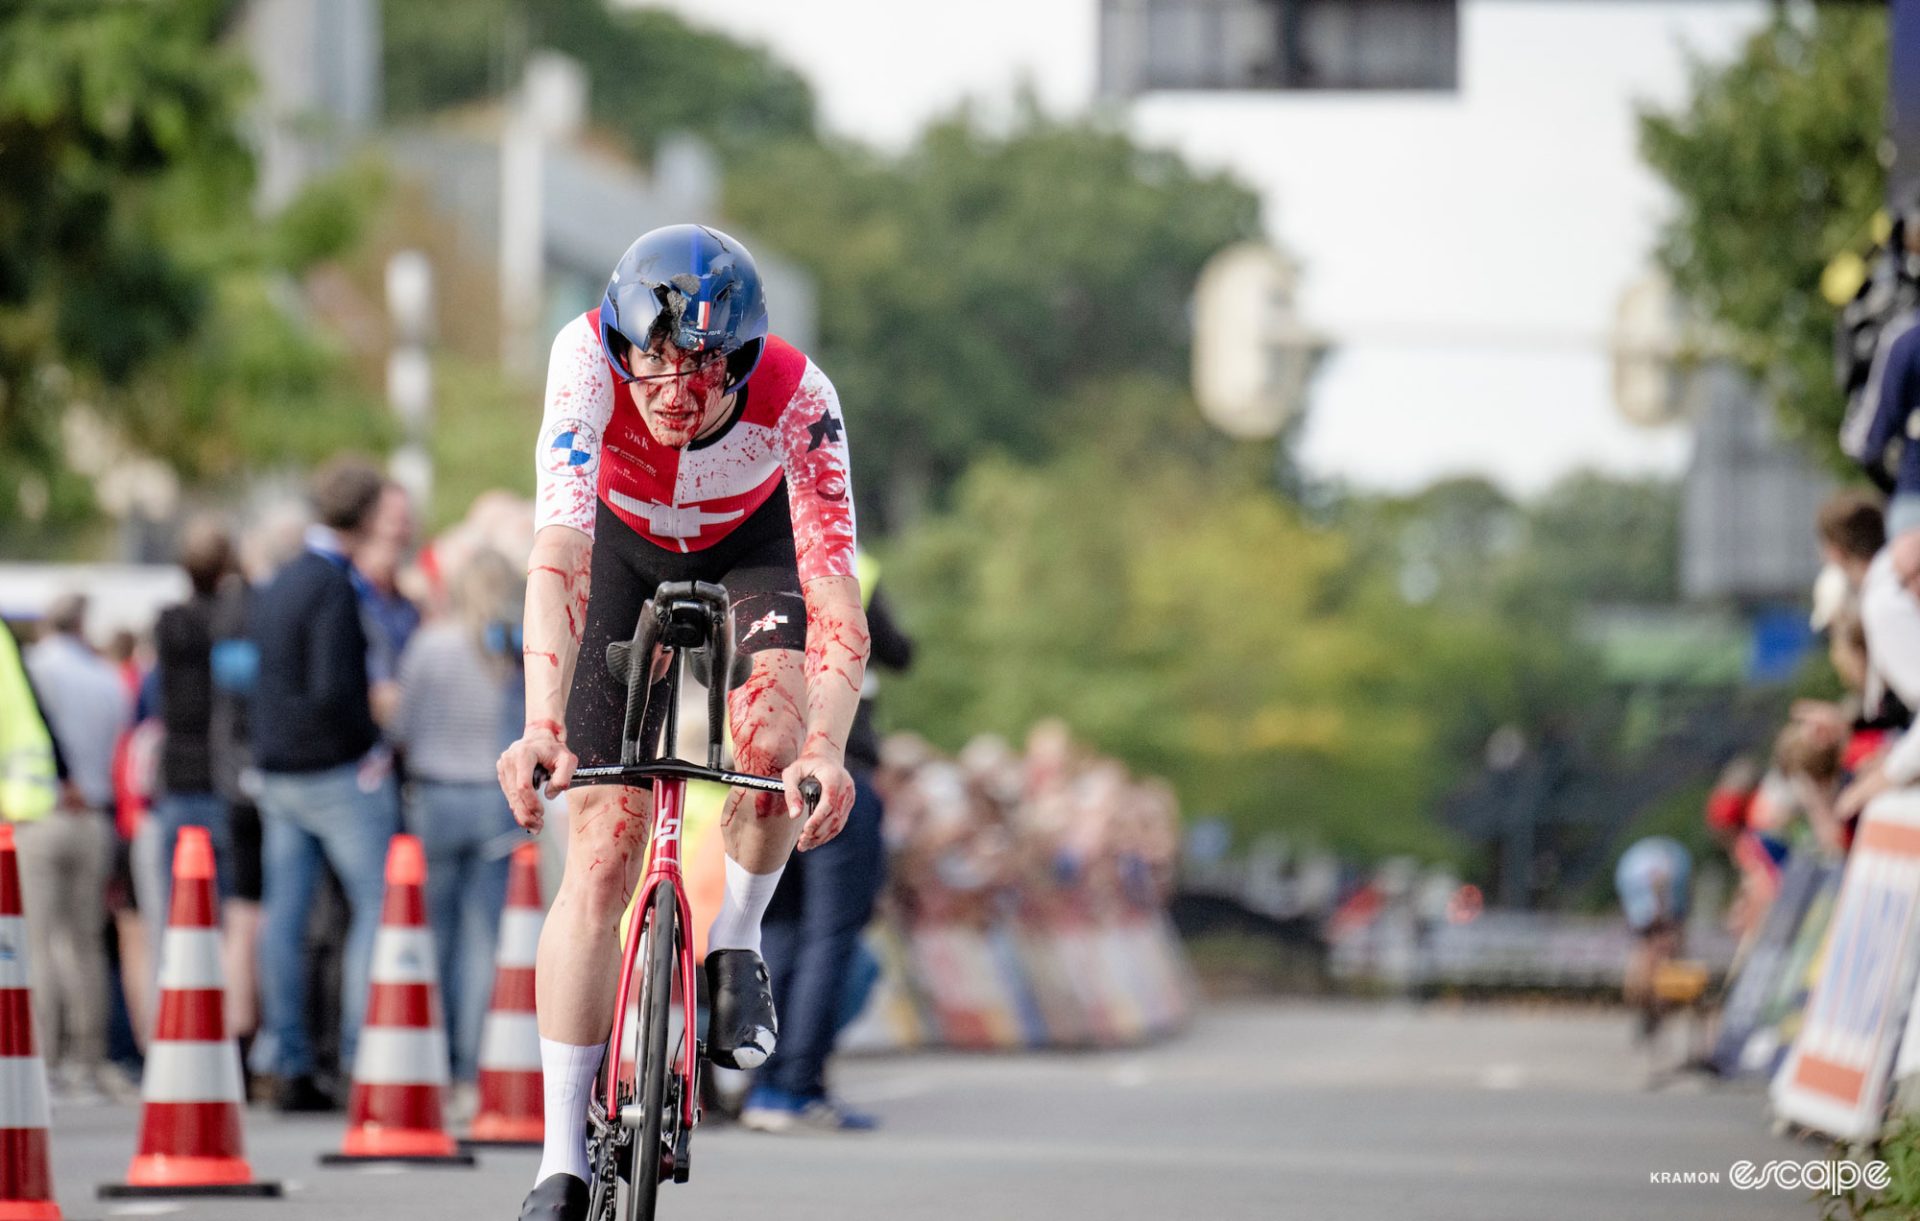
x: 971, y: 286
x: 1775, y: 163
x: 1183, y: 616
x: 1590, y: 538
x: 652, y: 74
x: 135, y: 281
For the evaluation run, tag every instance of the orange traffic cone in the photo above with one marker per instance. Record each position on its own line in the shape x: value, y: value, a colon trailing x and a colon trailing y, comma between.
x: 510, y: 1096
x: 190, y: 1128
x: 26, y: 1178
x: 396, y: 1110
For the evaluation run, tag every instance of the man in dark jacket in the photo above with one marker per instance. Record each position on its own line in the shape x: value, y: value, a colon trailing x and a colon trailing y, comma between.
x: 326, y: 785
x: 812, y: 929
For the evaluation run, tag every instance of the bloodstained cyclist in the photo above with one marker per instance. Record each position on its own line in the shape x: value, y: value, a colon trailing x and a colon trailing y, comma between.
x: 681, y: 441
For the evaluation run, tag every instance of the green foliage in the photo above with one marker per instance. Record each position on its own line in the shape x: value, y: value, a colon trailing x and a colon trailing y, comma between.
x: 1774, y: 163
x: 651, y: 73
x: 133, y: 274
x: 1591, y: 538
x: 1182, y: 616
x: 485, y: 444
x: 1900, y: 1201
x: 975, y: 284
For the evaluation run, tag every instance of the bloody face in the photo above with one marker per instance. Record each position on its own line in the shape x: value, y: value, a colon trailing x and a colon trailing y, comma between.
x: 679, y: 394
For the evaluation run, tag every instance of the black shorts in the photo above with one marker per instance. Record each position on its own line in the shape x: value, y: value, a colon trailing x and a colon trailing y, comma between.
x: 755, y: 563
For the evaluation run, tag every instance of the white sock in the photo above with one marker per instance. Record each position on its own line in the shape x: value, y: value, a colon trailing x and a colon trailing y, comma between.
x: 737, y: 927
x: 567, y: 1080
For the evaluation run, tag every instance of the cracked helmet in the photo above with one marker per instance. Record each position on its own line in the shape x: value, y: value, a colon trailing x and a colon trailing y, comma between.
x: 692, y: 286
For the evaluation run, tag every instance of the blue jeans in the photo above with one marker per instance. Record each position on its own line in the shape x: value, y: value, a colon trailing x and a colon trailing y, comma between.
x: 304, y: 815
x: 460, y: 826
x: 176, y: 810
x: 808, y: 938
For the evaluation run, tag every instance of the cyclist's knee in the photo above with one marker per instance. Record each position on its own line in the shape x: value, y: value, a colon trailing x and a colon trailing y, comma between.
x: 608, y: 836
x: 768, y: 750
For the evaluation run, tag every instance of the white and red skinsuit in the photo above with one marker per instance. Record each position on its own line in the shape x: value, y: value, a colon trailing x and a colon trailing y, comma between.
x: 786, y: 423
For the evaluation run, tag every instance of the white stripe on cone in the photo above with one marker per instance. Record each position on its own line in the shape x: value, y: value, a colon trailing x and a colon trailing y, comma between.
x: 510, y: 1042
x: 389, y: 1056
x: 23, y: 1092
x: 190, y: 958
x: 403, y: 956
x: 192, y: 1072
x: 519, y: 937
x: 13, y: 952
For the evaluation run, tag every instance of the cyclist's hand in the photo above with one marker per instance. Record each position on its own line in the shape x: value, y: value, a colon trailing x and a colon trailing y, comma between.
x: 836, y: 798
x: 538, y: 747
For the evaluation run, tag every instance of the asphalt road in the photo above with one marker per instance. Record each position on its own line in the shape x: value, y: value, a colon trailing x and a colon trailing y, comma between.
x: 1259, y: 1111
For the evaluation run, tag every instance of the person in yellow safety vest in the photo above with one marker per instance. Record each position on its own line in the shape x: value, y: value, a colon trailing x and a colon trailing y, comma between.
x: 811, y: 933
x: 30, y: 770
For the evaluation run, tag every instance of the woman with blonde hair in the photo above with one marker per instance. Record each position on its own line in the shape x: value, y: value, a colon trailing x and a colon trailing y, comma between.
x: 459, y: 698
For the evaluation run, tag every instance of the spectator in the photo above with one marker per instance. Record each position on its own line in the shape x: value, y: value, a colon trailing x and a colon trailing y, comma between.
x: 453, y: 720
x: 390, y: 618
x: 1807, y: 754
x: 1878, y: 431
x: 64, y: 856
x: 812, y: 928
x: 1890, y: 615
x: 183, y: 643
x: 1851, y: 528
x: 32, y: 770
x: 326, y: 789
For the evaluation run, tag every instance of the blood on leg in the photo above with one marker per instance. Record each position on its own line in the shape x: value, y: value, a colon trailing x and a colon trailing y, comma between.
x: 767, y: 720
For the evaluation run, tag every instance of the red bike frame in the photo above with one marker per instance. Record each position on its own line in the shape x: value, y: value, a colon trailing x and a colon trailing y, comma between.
x: 663, y: 864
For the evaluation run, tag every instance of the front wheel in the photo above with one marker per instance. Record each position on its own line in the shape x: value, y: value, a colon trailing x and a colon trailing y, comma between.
x: 651, y: 1148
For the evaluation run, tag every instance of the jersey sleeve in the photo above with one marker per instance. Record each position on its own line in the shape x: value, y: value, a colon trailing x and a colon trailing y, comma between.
x: 813, y: 442
x: 579, y: 403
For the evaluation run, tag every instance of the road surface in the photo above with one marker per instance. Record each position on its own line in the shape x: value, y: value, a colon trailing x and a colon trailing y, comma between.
x: 1268, y: 1111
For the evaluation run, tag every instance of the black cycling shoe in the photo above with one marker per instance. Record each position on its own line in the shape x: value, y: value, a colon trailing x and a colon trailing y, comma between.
x: 559, y: 1197
x: 742, y: 1027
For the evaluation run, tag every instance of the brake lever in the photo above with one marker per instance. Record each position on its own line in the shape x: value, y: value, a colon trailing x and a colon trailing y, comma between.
x: 810, y: 794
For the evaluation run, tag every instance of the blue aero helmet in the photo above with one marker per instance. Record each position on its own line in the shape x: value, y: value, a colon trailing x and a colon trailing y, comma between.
x: 693, y: 286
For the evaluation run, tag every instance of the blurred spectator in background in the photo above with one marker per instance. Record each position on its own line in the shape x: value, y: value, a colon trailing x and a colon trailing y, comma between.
x: 811, y: 932
x: 1879, y: 430
x: 1807, y: 756
x: 64, y: 856
x: 453, y: 720
x: 326, y: 787
x: 205, y: 667
x: 391, y: 619
x: 1890, y: 616
x: 1852, y: 529
x: 235, y: 664
x: 183, y: 643
x: 1652, y: 880
x: 32, y: 771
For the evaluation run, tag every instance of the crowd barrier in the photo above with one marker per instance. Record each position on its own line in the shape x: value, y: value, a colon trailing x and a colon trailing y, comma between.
x: 1823, y: 999
x: 1081, y: 981
x: 1013, y: 985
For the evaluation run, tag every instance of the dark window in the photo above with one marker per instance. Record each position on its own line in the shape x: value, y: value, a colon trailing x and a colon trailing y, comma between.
x: 1278, y: 44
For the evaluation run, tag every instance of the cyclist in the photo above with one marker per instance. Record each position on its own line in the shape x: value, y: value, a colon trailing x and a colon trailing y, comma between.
x: 681, y: 441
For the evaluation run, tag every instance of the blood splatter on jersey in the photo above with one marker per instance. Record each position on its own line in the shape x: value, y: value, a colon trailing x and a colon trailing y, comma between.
x: 785, y: 424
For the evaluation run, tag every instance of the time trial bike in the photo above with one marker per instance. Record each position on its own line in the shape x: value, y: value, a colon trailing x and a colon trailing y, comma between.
x: 646, y: 1098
